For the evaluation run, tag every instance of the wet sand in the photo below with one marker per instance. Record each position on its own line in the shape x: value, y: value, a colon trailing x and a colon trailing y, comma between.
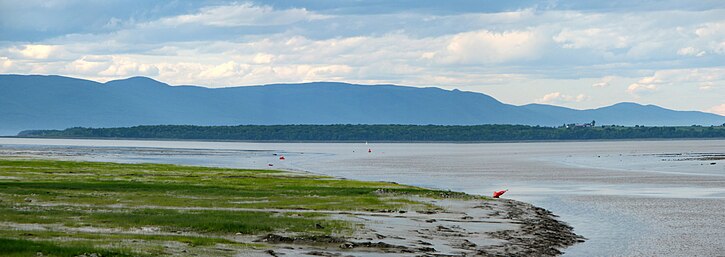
x: 497, y: 227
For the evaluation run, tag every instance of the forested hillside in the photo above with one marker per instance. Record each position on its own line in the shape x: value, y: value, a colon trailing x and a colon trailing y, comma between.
x: 383, y: 132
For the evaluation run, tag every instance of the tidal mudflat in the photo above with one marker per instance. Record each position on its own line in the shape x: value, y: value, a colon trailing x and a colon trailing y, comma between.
x: 628, y: 198
x: 70, y: 208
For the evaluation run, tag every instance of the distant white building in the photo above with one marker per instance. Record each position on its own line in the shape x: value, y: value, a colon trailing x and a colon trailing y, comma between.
x: 580, y: 125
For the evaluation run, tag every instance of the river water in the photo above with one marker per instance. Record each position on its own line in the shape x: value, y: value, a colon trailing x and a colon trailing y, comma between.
x: 629, y: 198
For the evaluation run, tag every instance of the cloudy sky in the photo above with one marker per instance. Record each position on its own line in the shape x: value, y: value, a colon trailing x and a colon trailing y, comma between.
x: 580, y: 54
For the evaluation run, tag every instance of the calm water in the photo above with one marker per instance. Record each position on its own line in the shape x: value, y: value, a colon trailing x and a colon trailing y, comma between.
x: 630, y: 198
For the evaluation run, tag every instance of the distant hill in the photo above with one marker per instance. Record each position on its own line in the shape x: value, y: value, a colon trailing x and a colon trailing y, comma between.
x: 630, y: 114
x: 56, y: 102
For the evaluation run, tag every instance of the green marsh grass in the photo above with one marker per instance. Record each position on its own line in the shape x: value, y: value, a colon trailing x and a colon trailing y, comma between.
x: 65, y: 195
x: 19, y: 247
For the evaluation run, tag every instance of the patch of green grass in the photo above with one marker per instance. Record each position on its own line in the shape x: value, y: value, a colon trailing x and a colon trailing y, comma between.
x: 320, y: 197
x: 192, y: 241
x: 127, y: 197
x: 218, y: 221
x: 203, y: 221
x: 20, y: 247
x: 171, y: 185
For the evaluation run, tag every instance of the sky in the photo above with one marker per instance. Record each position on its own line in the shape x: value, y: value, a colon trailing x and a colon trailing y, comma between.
x: 578, y: 54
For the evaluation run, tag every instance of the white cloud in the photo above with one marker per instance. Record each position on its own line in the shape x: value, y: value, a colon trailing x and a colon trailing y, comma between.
x: 594, y: 38
x: 674, y: 76
x: 262, y: 58
x: 244, y: 14
x: 711, y: 29
x: 718, y: 109
x: 35, y: 51
x: 643, y: 37
x: 703, y: 78
x: 707, y: 85
x: 604, y: 82
x: 89, y: 65
x: 428, y: 55
x: 638, y: 89
x: 126, y: 67
x: 224, y: 70
x: 648, y: 85
x: 691, y: 51
x: 558, y: 97
x: 6, y: 63
x: 326, y: 72
x: 709, y: 38
x: 486, y: 46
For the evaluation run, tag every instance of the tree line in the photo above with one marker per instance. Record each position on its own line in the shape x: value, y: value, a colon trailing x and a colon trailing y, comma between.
x: 381, y: 132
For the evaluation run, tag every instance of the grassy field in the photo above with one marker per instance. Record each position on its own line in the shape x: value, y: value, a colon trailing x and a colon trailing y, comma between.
x: 65, y: 208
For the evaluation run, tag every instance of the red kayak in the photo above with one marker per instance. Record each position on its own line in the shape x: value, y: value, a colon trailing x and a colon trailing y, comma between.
x: 498, y: 194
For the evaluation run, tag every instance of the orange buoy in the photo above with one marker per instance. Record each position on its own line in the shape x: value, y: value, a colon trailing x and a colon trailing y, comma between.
x: 497, y: 194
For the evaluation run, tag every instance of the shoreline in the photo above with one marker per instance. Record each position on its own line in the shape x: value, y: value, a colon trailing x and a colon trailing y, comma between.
x: 533, y: 231
x: 438, y: 223
x: 550, y: 235
x: 360, y: 141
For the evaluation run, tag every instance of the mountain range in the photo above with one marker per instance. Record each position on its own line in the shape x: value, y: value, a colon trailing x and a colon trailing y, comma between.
x: 56, y: 102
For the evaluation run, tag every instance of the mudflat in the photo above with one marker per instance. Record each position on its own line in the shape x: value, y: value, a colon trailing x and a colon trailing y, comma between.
x: 67, y: 208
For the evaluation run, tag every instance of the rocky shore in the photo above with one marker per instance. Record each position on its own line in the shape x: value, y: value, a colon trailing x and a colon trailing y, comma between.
x: 498, y: 227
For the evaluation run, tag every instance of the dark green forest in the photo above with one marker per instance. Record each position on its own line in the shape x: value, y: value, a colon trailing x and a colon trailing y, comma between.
x: 382, y: 132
